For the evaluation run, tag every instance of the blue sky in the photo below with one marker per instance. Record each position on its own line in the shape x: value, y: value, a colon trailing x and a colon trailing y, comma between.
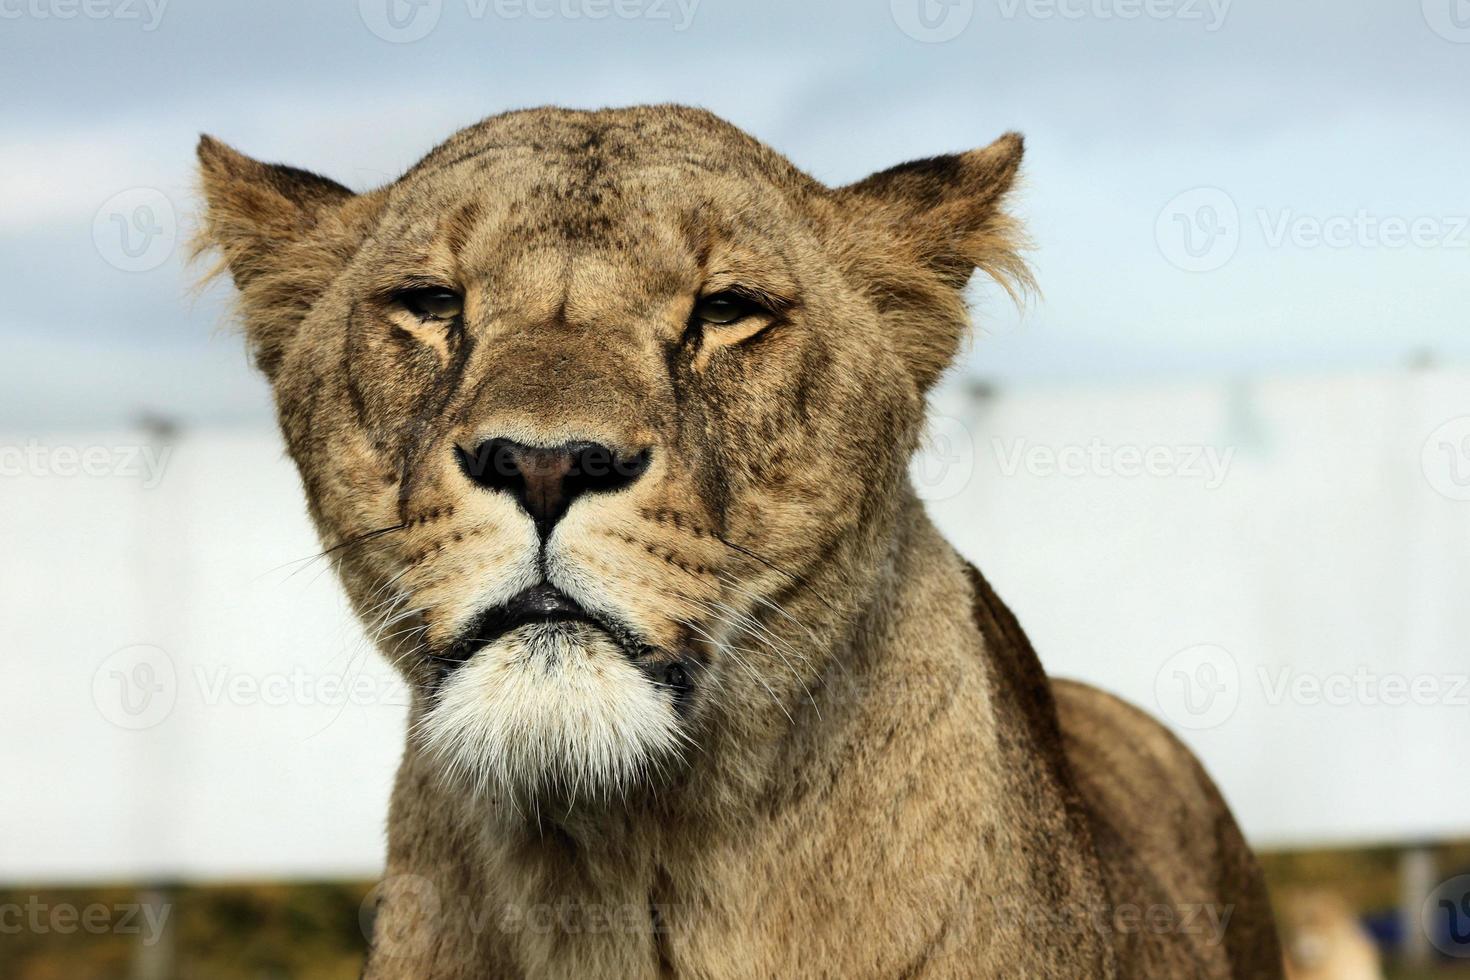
x: 1214, y: 187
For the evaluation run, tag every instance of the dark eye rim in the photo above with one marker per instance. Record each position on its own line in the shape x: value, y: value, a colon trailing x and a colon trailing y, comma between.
x: 414, y: 298
x: 745, y: 307
x: 753, y: 303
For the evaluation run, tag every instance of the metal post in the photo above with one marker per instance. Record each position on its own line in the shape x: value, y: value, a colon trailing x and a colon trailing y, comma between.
x: 1417, y: 878
x: 153, y: 955
x: 160, y: 556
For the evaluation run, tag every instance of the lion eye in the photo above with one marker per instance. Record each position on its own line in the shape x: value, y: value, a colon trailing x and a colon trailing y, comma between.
x: 433, y: 303
x: 724, y: 308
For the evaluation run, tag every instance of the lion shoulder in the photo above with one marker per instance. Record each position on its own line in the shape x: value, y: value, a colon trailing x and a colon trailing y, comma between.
x: 1167, y: 840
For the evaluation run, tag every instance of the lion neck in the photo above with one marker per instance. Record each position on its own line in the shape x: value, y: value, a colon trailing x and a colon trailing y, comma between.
x: 865, y: 757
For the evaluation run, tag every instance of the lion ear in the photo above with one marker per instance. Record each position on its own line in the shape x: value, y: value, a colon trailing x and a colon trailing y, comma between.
x: 922, y: 229
x: 283, y: 233
x: 948, y: 209
x: 256, y: 208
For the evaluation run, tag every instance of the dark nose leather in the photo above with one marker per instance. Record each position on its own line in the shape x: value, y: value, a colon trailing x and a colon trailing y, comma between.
x: 546, y: 480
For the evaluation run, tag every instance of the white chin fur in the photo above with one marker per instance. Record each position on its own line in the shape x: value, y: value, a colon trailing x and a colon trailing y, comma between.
x: 551, y: 710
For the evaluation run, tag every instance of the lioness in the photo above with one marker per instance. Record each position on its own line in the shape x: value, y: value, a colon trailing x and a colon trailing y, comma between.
x: 605, y: 418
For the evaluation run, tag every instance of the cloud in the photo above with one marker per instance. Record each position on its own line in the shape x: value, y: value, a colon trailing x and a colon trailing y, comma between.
x: 1312, y: 108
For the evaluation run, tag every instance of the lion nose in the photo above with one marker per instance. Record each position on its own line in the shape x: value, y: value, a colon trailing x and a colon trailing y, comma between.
x: 545, y: 480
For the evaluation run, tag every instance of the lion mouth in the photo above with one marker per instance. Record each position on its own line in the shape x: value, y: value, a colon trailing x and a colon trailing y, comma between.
x: 542, y: 604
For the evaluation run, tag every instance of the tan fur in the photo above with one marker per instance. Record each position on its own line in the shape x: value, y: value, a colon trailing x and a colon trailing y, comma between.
x: 1324, y: 939
x: 870, y: 776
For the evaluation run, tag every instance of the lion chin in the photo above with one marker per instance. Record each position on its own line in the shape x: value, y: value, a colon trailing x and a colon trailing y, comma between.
x: 552, y: 712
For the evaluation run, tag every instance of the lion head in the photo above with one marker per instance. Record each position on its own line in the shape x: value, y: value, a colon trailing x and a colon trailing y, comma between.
x: 605, y: 416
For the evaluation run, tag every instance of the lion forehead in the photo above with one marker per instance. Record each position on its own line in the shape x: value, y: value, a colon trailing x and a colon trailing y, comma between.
x: 600, y: 141
x: 623, y: 179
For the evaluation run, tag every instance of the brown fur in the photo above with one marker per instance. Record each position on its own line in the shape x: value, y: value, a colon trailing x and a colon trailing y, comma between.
x: 881, y: 781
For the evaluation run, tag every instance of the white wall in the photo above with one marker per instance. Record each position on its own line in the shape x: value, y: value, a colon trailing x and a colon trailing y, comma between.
x: 244, y: 760
x: 1294, y: 526
x: 1330, y: 550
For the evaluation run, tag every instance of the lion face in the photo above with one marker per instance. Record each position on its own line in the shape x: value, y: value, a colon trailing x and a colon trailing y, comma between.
x: 605, y: 417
